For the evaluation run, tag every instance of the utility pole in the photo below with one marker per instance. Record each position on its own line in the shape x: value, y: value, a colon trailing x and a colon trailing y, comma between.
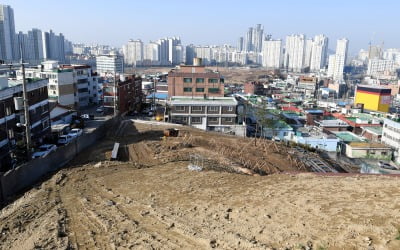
x: 115, y: 93
x: 26, y: 111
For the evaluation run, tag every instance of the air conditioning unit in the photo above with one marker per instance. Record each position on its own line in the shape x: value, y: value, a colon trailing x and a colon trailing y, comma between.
x: 19, y: 103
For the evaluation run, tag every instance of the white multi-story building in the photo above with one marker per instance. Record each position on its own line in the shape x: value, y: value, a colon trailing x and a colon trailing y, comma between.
x: 363, y: 55
x: 70, y: 85
x: 133, y: 52
x: 248, y: 46
x: 163, y: 51
x: 258, y: 37
x: 272, y: 54
x: 378, y: 67
x: 336, y: 66
x: 239, y: 57
x: 331, y: 64
x: 152, y: 54
x: 106, y: 64
x: 319, y: 53
x: 253, y: 40
x: 391, y: 136
x: 294, y: 54
x: 175, y: 50
x: 308, y: 52
x: 8, y: 43
x: 205, y: 53
x: 392, y: 54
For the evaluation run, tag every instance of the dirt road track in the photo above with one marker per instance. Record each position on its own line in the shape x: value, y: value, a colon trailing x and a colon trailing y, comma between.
x: 154, y: 201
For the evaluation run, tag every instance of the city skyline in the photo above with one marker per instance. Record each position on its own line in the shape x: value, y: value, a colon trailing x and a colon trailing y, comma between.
x: 156, y: 19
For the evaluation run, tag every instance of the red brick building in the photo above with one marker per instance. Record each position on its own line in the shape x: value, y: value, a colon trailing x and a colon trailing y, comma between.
x: 129, y: 91
x: 195, y: 81
x: 254, y: 88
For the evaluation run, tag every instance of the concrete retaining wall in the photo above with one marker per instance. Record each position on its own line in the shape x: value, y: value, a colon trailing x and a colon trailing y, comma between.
x: 26, y: 175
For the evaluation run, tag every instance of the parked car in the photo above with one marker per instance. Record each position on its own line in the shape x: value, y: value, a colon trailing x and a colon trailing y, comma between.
x: 44, y: 150
x: 386, y: 165
x: 65, y: 139
x: 85, y: 116
x: 276, y: 138
x: 75, y: 132
x: 100, y: 110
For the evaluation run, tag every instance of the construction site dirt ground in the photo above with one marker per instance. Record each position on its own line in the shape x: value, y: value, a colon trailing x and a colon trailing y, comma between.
x: 151, y: 200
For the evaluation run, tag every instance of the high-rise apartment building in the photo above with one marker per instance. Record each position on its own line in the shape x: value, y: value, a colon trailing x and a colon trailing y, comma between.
x: 53, y: 46
x: 248, y: 40
x: 175, y: 51
x: 319, y: 53
x: 294, y: 53
x: 272, y: 54
x: 8, y: 43
x: 308, y: 52
x: 133, y: 52
x: 337, y: 63
x: 190, y: 54
x: 31, y: 46
x: 163, y: 51
x: 253, y: 40
x: 240, y: 45
x: 151, y: 54
x: 258, y: 37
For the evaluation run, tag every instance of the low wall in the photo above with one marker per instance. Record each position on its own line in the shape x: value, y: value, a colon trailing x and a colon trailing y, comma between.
x: 26, y: 175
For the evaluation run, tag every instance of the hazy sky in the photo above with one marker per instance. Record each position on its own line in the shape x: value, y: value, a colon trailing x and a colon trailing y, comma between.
x: 217, y: 22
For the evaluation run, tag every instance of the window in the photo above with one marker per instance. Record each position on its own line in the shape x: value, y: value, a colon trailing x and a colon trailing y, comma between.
x: 8, y: 111
x: 83, y: 90
x: 199, y: 80
x: 180, y: 108
x: 213, y: 109
x: 383, y: 153
x: 213, y: 90
x: 10, y: 133
x: 230, y: 108
x: 187, y: 89
x: 228, y: 119
x: 45, y: 123
x: 187, y: 80
x: 45, y: 108
x: 199, y: 89
x: 371, y: 152
x: 212, y: 80
x: 196, y: 120
x: 213, y: 119
x: 197, y: 108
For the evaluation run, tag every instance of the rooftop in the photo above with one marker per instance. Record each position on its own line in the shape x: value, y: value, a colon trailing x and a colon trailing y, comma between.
x: 187, y: 100
x: 333, y: 123
x: 368, y: 145
x: 348, y: 137
x: 374, y: 130
x: 373, y: 86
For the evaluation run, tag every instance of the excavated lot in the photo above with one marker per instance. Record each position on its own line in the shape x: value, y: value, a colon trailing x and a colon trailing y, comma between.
x: 243, y: 198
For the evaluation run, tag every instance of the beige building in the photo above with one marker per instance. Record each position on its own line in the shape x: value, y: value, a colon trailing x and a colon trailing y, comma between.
x: 214, y: 113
